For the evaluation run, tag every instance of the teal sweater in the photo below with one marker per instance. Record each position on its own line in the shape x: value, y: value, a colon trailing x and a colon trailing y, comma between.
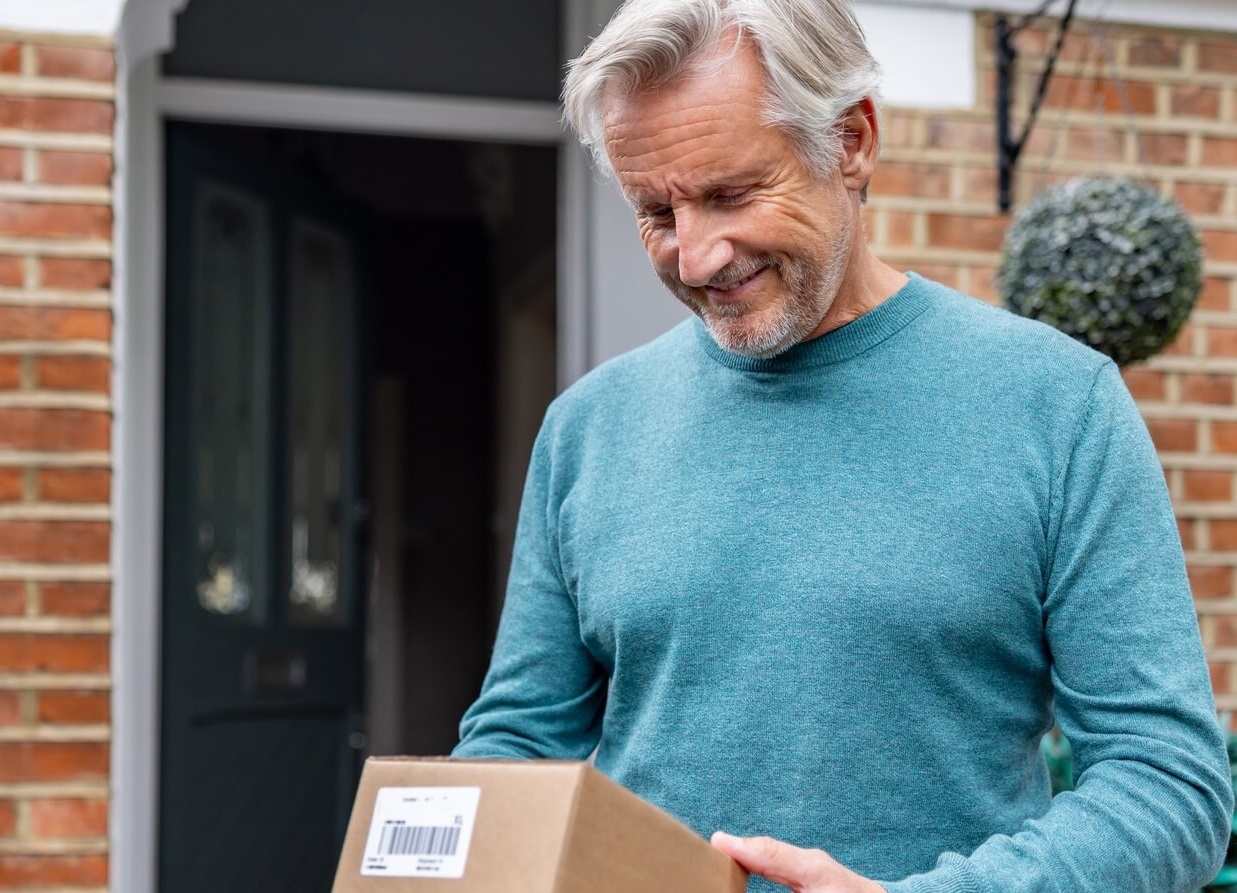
x: 838, y: 596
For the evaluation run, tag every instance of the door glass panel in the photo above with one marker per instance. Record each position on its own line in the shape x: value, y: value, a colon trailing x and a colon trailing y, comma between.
x: 320, y: 289
x: 228, y: 412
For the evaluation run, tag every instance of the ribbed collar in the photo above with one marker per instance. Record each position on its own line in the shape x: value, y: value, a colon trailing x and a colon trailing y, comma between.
x: 850, y: 340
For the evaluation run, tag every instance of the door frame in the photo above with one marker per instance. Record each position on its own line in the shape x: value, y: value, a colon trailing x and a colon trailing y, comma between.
x: 145, y: 100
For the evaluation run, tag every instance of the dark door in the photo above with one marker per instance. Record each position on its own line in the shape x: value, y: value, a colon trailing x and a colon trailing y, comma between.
x: 261, y: 726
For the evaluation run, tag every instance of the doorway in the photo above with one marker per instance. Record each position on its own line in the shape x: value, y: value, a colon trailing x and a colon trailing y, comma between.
x: 361, y: 342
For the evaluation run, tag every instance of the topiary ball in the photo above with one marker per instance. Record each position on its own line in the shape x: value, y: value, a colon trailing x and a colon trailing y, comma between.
x: 1108, y: 262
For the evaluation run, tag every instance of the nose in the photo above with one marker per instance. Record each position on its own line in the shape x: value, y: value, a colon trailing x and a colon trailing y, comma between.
x: 703, y: 248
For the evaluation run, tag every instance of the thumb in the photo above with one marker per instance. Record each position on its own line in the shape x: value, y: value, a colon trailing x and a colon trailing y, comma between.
x: 779, y: 862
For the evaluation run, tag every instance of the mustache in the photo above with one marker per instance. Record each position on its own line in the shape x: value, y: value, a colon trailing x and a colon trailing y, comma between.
x: 740, y: 269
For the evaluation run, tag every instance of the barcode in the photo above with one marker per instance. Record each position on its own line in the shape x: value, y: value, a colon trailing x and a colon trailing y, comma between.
x: 406, y: 840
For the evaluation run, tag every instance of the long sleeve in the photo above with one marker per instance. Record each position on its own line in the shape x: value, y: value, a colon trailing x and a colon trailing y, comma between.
x: 1152, y: 806
x: 543, y: 695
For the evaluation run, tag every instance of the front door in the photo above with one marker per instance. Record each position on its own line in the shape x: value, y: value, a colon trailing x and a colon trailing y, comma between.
x: 262, y: 648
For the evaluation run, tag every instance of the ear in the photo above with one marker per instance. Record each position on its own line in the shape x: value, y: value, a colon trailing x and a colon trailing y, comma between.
x: 860, y: 144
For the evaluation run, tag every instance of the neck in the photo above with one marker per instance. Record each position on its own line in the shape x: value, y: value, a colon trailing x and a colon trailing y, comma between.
x: 868, y: 283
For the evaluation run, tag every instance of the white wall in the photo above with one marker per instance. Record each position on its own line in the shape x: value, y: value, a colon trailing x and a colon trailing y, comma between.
x: 97, y: 17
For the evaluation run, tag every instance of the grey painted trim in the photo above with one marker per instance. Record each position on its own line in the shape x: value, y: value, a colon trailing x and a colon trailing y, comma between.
x: 137, y: 497
x: 575, y: 188
x: 369, y: 111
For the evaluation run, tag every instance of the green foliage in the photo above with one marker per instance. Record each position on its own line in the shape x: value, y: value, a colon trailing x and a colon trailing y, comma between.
x: 1108, y: 262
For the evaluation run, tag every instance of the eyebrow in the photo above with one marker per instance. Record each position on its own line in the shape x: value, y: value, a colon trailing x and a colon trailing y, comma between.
x: 742, y: 180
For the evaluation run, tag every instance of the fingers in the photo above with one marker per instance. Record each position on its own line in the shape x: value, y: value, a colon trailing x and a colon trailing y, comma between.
x: 790, y: 866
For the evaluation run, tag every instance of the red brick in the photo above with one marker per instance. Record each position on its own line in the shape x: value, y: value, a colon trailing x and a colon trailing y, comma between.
x: 12, y: 271
x: 12, y: 485
x: 68, y: 818
x: 12, y: 164
x: 55, y: 542
x: 1200, y: 198
x: 12, y: 598
x: 52, y: 761
x: 1221, y: 341
x: 1145, y: 384
x: 78, y: 63
x: 1031, y: 42
x: 984, y: 285
x: 1174, y: 435
x: 93, y: 374
x: 53, y: 653
x: 1198, y: 387
x: 75, y: 484
x: 979, y: 186
x: 1220, y: 151
x: 899, y: 229
x: 55, y: 221
x: 56, y: 115
x: 1211, y: 580
x: 10, y: 58
x: 1158, y: 52
x: 1220, y: 245
x: 53, y: 871
x: 970, y: 136
x: 942, y: 273
x: 76, y: 599
x: 10, y: 708
x: 1095, y: 144
x: 1218, y: 57
x: 10, y: 372
x: 1216, y: 293
x: 1078, y: 46
x: 1220, y: 676
x: 897, y: 130
x: 1163, y: 148
x: 74, y: 707
x: 75, y: 273
x: 1192, y: 101
x: 1226, y: 630
x: 75, y: 168
x: 966, y: 233
x: 55, y: 323
x: 922, y: 180
x: 1093, y: 94
x: 1183, y: 344
x: 1187, y: 531
x: 8, y: 818
x: 1205, y: 485
x: 55, y: 429
x: 1224, y: 534
x: 1224, y: 437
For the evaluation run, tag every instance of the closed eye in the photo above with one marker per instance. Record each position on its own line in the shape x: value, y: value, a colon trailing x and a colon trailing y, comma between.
x: 730, y: 196
x: 658, y: 214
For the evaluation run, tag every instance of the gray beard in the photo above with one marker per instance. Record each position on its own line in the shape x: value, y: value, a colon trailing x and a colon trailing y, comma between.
x: 810, y: 293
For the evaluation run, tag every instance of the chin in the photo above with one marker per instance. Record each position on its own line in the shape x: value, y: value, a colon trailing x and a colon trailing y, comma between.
x: 750, y: 338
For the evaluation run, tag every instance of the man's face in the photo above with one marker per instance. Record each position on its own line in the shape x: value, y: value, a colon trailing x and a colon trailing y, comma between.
x: 736, y: 226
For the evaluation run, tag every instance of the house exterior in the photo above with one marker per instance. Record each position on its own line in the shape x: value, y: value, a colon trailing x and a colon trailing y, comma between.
x: 237, y: 417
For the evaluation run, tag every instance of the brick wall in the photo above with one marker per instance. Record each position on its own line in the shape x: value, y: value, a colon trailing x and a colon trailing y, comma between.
x: 1156, y: 105
x: 56, y: 117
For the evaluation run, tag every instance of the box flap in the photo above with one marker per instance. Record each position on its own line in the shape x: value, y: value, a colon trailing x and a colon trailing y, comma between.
x: 621, y: 844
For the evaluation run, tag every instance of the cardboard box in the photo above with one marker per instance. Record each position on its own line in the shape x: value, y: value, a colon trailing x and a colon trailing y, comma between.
x: 481, y: 826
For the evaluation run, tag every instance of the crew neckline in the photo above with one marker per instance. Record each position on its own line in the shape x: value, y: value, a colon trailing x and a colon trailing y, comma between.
x: 843, y: 343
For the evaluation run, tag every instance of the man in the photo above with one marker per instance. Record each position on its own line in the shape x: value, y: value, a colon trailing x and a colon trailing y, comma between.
x: 825, y: 563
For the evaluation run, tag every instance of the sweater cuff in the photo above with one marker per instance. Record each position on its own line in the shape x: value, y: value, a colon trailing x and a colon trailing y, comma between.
x: 952, y: 874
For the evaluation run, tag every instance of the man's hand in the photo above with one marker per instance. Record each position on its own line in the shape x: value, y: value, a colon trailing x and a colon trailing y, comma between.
x: 803, y: 871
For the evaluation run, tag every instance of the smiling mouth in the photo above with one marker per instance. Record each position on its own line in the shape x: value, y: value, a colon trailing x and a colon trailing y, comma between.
x: 738, y: 283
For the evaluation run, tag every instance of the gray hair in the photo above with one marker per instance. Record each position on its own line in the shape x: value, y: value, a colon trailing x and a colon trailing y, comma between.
x: 813, y: 52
